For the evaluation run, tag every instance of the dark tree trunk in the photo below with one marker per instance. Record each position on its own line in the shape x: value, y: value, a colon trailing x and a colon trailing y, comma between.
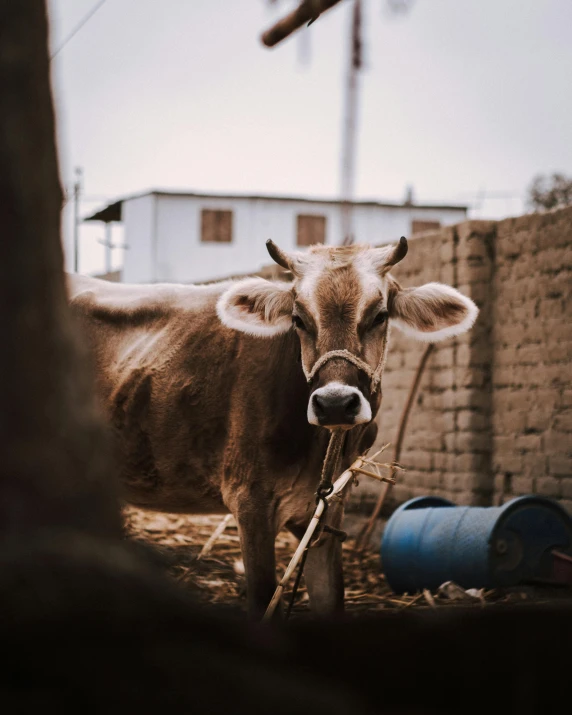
x: 55, y: 468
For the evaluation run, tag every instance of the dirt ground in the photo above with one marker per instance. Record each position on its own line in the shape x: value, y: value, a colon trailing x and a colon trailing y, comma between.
x: 218, y: 579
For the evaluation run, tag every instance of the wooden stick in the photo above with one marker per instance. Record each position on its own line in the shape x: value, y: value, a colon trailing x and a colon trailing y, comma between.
x: 379, y: 451
x: 428, y: 596
x: 307, y: 10
x: 214, y: 536
x: 339, y: 485
x: 379, y: 478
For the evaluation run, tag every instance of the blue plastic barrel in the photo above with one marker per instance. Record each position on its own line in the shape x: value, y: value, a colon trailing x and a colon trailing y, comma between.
x: 429, y: 540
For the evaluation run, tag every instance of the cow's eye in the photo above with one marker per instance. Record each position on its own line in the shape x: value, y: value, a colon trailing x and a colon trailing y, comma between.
x: 380, y: 318
x: 298, y: 322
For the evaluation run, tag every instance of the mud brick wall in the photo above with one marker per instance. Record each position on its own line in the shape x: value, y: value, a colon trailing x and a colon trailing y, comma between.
x: 532, y: 357
x: 493, y: 416
x: 448, y: 443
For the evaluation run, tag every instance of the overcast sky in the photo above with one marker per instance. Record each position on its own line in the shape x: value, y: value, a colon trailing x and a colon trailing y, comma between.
x: 458, y: 98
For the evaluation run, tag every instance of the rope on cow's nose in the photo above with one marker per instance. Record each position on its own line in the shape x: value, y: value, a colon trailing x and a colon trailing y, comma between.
x: 331, y: 461
x: 374, y: 375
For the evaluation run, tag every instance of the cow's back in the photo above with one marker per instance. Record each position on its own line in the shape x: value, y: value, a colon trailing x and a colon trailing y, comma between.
x: 190, y: 400
x: 151, y: 347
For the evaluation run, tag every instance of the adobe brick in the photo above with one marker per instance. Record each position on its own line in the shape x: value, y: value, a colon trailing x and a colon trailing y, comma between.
x: 449, y: 399
x: 467, y: 498
x: 443, y: 356
x: 445, y: 273
x: 447, y: 252
x: 401, y: 492
x: 560, y: 464
x: 522, y: 485
x: 535, y: 464
x: 511, y: 463
x: 538, y: 419
x: 551, y: 308
x: 480, y: 292
x: 502, y: 444
x: 443, y: 379
x: 470, y: 377
x: 473, y: 399
x: 512, y: 334
x: 513, y: 421
x: 548, y: 487
x: 469, y: 273
x: 439, y: 460
x: 416, y: 461
x: 567, y: 488
x: 504, y: 356
x: 558, y: 352
x: 555, y: 374
x: 529, y: 442
x: 551, y: 260
x: 530, y: 354
x: 554, y: 442
x: 451, y: 442
x: 412, y: 358
x: 474, y: 247
x: 563, y: 422
x: 473, y: 442
x: 458, y: 482
x: 474, y: 228
x: 394, y: 360
x: 472, y: 420
x: 430, y: 441
x: 470, y: 462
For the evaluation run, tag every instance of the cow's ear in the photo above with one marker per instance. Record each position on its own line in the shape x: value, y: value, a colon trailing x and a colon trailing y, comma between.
x: 431, y: 312
x: 257, y: 307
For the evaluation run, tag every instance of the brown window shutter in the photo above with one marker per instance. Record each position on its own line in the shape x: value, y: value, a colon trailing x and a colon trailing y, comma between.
x: 216, y: 226
x: 310, y: 230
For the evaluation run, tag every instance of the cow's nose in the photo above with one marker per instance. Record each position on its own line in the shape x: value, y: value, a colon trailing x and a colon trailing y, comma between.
x: 336, y: 409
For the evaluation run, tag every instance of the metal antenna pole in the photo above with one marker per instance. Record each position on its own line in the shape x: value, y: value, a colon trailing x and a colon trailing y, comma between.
x: 350, y: 126
x: 76, y: 198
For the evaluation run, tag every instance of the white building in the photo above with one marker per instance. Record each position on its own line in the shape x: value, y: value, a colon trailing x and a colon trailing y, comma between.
x: 190, y: 237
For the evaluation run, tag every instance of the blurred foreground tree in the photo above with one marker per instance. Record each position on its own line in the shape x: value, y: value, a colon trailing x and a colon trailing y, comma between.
x: 56, y: 467
x: 550, y: 192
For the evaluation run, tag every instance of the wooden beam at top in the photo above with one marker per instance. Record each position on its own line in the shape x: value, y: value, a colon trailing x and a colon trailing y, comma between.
x: 307, y: 11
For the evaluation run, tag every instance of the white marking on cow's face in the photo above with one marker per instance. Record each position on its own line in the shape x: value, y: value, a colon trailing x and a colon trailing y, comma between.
x: 372, y: 284
x: 306, y: 287
x: 338, y: 405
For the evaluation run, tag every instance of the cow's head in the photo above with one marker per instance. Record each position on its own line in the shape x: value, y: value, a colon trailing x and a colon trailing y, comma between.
x: 341, y: 304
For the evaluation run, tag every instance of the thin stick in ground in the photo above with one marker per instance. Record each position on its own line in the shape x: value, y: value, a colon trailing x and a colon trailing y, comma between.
x: 365, y: 534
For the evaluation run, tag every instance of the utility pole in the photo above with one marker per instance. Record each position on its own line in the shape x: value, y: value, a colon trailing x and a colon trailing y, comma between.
x: 350, y: 125
x: 76, y: 205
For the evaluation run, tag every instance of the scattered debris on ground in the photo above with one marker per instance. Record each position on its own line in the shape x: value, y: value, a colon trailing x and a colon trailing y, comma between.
x: 218, y: 578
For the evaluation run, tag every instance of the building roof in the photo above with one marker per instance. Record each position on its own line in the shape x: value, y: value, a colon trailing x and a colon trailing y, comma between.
x: 112, y: 212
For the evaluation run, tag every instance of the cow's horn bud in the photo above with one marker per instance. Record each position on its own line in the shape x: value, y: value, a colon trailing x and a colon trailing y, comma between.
x: 397, y: 254
x: 279, y: 256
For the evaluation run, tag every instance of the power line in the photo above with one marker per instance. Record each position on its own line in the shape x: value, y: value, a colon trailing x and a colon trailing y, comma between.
x: 74, y: 32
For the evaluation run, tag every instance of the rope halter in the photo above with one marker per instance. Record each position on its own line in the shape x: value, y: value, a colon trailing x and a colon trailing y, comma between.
x: 374, y: 375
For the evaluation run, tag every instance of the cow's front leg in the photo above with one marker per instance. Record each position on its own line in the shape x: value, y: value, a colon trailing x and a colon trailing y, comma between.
x: 257, y: 537
x: 323, y: 571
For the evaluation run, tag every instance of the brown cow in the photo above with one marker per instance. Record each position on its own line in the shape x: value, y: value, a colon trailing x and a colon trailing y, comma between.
x: 221, y: 395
